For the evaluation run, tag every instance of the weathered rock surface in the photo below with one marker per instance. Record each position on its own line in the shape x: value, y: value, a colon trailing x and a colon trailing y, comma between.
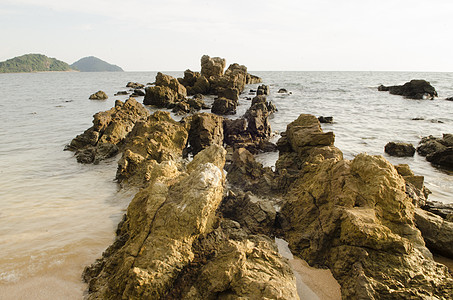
x: 134, y: 85
x: 229, y: 93
x: 263, y: 90
x: 437, y: 232
x: 212, y: 66
x: 355, y: 218
x: 158, y: 138
x: 165, y: 93
x: 99, y: 95
x: 438, y: 151
x: 253, y: 79
x: 415, y: 89
x: 223, y: 106
x: 108, y: 131
x: 399, y: 149
x: 415, y: 188
x: 204, y: 129
x: 444, y: 210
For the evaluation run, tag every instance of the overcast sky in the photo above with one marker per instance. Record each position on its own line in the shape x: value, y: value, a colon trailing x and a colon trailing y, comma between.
x: 172, y: 35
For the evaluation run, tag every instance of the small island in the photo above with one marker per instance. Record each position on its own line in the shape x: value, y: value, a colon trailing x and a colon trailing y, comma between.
x: 33, y: 63
x: 94, y: 64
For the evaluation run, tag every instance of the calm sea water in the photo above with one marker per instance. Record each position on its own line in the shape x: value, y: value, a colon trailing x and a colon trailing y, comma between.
x: 57, y: 216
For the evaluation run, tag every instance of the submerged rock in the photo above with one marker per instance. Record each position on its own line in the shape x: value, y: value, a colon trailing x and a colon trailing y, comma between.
x: 415, y: 89
x: 328, y: 120
x: 134, y: 85
x: 99, y: 95
x: 399, y: 149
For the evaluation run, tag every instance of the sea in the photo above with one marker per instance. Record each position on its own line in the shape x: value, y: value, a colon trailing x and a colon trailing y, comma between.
x: 57, y: 216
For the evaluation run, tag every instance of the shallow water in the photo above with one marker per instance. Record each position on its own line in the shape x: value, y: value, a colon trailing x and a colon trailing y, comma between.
x: 57, y: 216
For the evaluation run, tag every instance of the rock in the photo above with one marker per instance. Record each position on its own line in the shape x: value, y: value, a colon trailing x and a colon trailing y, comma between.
x: 109, y: 130
x: 353, y: 217
x: 415, y: 89
x: 99, y: 95
x: 255, y: 215
x: 154, y: 242
x: 204, y: 129
x: 429, y: 145
x: 263, y: 90
x: 282, y: 91
x: 134, y: 85
x: 223, y: 106
x: 159, y: 138
x: 165, y: 93
x: 229, y: 93
x: 172, y: 83
x: 436, y: 231
x: 415, y: 188
x: 252, y: 79
x: 443, y: 158
x: 189, y: 79
x: 449, y: 98
x: 328, y: 120
x: 399, y: 149
x: 257, y: 119
x: 437, y: 151
x: 138, y: 93
x: 246, y: 173
x: 121, y: 93
x: 212, y: 66
x: 444, y: 210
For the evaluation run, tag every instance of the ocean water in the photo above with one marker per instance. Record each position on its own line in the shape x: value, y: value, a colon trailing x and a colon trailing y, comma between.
x: 57, y: 216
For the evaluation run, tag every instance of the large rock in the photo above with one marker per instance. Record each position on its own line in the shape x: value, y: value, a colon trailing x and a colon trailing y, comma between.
x: 150, y: 142
x: 437, y: 232
x: 108, y: 131
x: 165, y: 93
x: 223, y: 106
x: 355, y: 218
x: 212, y: 66
x: 154, y: 242
x: 399, y: 149
x: 253, y: 79
x: 205, y: 129
x: 415, y: 89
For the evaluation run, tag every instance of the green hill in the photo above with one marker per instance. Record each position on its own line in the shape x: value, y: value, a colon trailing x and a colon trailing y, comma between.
x: 33, y: 63
x: 94, y: 64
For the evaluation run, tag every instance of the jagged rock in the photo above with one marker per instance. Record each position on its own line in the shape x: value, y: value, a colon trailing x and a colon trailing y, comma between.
x: 263, y: 90
x: 355, y: 218
x: 328, y: 120
x: 189, y: 79
x: 246, y: 173
x: 212, y: 66
x: 154, y: 242
x: 415, y: 89
x: 257, y: 119
x: 165, y: 93
x: 134, y: 85
x: 229, y: 93
x: 415, y: 188
x: 443, y: 210
x: 223, y: 106
x: 252, y: 79
x: 121, y: 93
x: 399, y: 149
x: 153, y: 141
x: 436, y: 231
x: 437, y: 151
x: 201, y: 86
x: 108, y: 131
x: 231, y: 264
x: 205, y: 129
x: 99, y: 95
x: 138, y: 93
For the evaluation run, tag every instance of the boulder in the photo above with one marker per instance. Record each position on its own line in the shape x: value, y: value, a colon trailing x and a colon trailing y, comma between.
x: 138, y: 93
x: 430, y: 145
x: 121, y: 93
x: 263, y: 90
x: 253, y: 79
x: 189, y: 79
x: 201, y: 86
x: 204, y: 129
x: 109, y: 130
x: 443, y: 210
x: 165, y: 93
x: 449, y: 98
x: 282, y: 91
x: 415, y: 188
x: 212, y: 66
x: 436, y: 231
x: 438, y: 151
x: 154, y: 241
x: 442, y: 158
x: 355, y: 218
x: 223, y: 106
x: 229, y: 93
x: 399, y: 149
x: 415, y: 89
x: 99, y: 95
x: 134, y: 85
x: 158, y: 138
x: 327, y: 120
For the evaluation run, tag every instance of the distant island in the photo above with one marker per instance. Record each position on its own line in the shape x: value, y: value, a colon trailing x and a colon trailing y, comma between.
x: 33, y: 63
x: 94, y: 64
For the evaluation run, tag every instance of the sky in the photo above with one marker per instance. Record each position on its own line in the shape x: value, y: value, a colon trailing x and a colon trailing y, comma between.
x: 283, y: 35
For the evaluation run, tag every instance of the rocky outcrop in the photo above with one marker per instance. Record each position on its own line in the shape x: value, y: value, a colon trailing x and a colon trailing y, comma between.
x: 253, y: 79
x: 212, y: 66
x: 355, y: 218
x: 263, y: 90
x: 165, y: 93
x: 157, y: 139
x: 205, y: 129
x: 109, y: 130
x: 415, y: 187
x: 229, y: 93
x: 443, y: 210
x: 399, y: 149
x: 438, y: 151
x: 99, y: 95
x: 415, y: 89
x: 135, y: 85
x: 224, y: 106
